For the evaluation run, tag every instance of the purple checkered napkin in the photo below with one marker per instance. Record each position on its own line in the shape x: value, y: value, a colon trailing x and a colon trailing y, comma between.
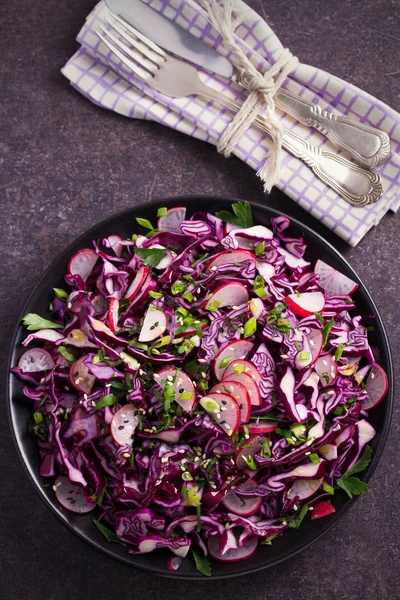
x: 101, y: 77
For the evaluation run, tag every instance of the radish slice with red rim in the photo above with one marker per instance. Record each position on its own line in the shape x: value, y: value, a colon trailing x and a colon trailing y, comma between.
x: 239, y: 392
x: 174, y: 563
x: 233, y: 555
x: 243, y: 506
x: 306, y: 304
x: 322, y: 509
x: 262, y: 427
x: 250, y: 384
x: 137, y: 283
x: 315, y: 340
x: 332, y: 281
x: 377, y: 386
x: 251, y: 447
x: 224, y: 409
x: 123, y: 424
x: 72, y: 497
x: 185, y: 393
x: 239, y: 366
x: 266, y: 270
x: 304, y: 488
x: 231, y: 352
x: 154, y: 325
x: 35, y: 360
x: 327, y: 369
x: 113, y: 314
x: 226, y: 258
x: 228, y: 294
x: 172, y: 219
x: 80, y: 377
x: 82, y: 263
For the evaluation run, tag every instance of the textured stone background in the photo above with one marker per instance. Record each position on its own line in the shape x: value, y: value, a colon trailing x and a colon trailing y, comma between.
x: 66, y: 165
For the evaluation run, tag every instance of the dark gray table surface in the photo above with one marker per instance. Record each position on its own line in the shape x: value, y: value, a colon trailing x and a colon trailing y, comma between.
x: 67, y: 164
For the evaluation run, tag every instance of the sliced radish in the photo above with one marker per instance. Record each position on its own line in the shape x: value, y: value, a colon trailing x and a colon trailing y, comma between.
x: 35, y: 360
x: 376, y: 386
x: 172, y: 219
x: 306, y: 471
x: 174, y: 563
x: 72, y: 497
x: 322, y: 509
x: 350, y: 367
x: 315, y: 340
x: 243, y: 506
x: 103, y: 330
x: 154, y: 325
x: 227, y: 258
x: 113, y: 314
x: 44, y: 335
x: 233, y: 555
x: 228, y: 294
x: 256, y: 307
x: 246, y: 238
x: 328, y: 451
x: 238, y: 349
x: 182, y: 386
x: 304, y: 488
x: 326, y: 368
x: 114, y: 241
x: 123, y: 424
x: 239, y: 366
x: 251, y: 447
x: 250, y: 384
x: 293, y: 261
x: 82, y: 263
x: 99, y: 304
x: 266, y: 270
x: 224, y: 409
x: 137, y: 283
x: 332, y: 281
x: 239, y: 392
x: 80, y: 376
x: 305, y: 277
x: 262, y: 427
x: 306, y: 304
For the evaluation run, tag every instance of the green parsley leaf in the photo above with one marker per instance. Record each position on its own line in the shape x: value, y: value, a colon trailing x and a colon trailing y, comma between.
x: 144, y: 223
x: 152, y: 256
x: 242, y: 215
x: 67, y: 355
x: 108, y: 400
x: 34, y: 322
x: 108, y: 534
x: 162, y: 211
x: 60, y: 293
x: 169, y: 396
x: 250, y: 327
x: 353, y: 486
x: 213, y: 306
x: 260, y: 248
x: 362, y: 463
x: 297, y: 521
x: 178, y: 287
x: 202, y: 563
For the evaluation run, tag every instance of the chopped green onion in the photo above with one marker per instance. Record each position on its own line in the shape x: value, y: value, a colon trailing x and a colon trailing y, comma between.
x: 60, y: 293
x: 155, y: 295
x: 214, y: 305
x: 225, y: 362
x: 260, y: 248
x: 37, y: 417
x: 315, y: 458
x: 161, y: 342
x: 238, y: 369
x: 250, y: 327
x: 189, y: 297
x: 339, y: 352
x: 251, y: 463
x: 144, y: 223
x: 186, y: 396
x: 328, y: 489
x: 304, y: 355
x: 178, y: 287
x: 108, y: 400
x: 162, y: 211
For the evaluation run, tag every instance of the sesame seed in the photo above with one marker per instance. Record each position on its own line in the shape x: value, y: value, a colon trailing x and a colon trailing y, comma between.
x: 243, y: 357
x: 231, y: 348
x: 156, y: 376
x: 127, y: 455
x: 170, y: 378
x: 201, y: 360
x: 213, y: 269
x: 141, y: 372
x: 223, y: 408
x: 181, y: 451
x: 307, y: 453
x: 42, y: 380
x: 69, y: 305
x: 284, y: 522
x: 196, y: 459
x: 235, y: 307
x: 310, y: 508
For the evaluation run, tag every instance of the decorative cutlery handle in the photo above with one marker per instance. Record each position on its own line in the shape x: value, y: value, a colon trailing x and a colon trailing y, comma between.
x: 357, y: 185
x: 367, y: 145
x: 351, y: 181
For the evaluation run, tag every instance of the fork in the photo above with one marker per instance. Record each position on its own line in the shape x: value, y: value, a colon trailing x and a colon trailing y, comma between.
x: 176, y: 78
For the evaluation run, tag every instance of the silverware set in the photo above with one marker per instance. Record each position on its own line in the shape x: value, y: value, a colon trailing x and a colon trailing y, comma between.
x: 368, y: 146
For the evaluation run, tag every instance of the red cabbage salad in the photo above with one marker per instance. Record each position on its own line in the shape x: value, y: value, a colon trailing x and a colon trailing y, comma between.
x: 201, y: 387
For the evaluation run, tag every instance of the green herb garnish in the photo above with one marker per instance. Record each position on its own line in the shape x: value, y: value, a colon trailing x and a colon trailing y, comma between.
x: 152, y: 256
x: 34, y: 322
x: 60, y: 293
x: 108, y: 534
x: 64, y: 352
x: 144, y: 223
x: 353, y: 486
x: 108, y: 400
x: 202, y: 563
x: 242, y: 215
x: 250, y: 327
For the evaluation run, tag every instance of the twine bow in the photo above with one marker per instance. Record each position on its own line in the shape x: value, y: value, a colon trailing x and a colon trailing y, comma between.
x: 262, y: 88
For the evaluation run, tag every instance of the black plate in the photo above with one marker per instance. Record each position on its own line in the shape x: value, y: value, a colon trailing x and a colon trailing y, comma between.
x: 20, y: 409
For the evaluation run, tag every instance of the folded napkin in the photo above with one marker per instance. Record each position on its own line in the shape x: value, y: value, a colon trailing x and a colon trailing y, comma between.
x: 102, y: 78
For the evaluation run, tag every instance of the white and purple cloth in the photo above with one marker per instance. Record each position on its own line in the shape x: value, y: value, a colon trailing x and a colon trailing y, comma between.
x: 102, y: 78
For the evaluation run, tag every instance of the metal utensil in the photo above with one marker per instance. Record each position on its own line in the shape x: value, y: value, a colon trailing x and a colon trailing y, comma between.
x: 176, y: 79
x: 368, y: 145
